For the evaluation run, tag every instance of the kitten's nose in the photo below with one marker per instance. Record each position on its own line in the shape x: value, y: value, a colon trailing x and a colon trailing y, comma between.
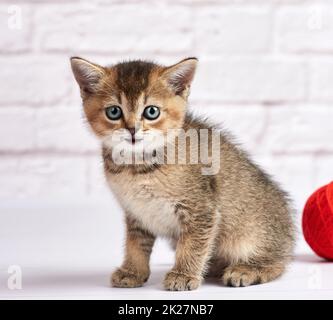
x: 132, y: 131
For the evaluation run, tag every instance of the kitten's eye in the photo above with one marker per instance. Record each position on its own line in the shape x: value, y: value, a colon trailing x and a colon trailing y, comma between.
x: 113, y: 112
x: 151, y: 112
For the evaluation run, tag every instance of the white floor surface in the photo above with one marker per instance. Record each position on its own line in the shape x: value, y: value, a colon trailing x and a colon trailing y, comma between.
x: 69, y: 251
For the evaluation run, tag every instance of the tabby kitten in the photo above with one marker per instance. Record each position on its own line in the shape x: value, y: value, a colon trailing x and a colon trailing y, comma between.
x: 234, y: 224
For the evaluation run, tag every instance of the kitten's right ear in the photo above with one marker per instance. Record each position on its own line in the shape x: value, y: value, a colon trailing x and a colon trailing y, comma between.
x: 87, y: 74
x: 180, y: 75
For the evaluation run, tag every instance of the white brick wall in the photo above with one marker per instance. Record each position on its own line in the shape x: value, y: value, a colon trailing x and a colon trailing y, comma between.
x: 306, y: 28
x: 321, y: 71
x: 51, y: 176
x: 249, y: 80
x: 64, y: 129
x: 222, y: 30
x: 36, y: 80
x: 266, y: 72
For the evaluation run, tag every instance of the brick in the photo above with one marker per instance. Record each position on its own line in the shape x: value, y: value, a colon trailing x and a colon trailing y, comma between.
x: 43, y: 177
x: 97, y: 185
x: 305, y: 129
x: 232, y: 30
x: 17, y: 129
x: 15, y: 28
x: 305, y: 28
x: 116, y: 28
x: 323, y: 170
x: 321, y: 79
x: 249, y: 80
x: 65, y: 129
x: 246, y: 123
x: 295, y: 174
x: 35, y: 81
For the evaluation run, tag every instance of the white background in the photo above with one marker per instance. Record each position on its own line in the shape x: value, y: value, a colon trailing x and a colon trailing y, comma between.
x: 266, y: 72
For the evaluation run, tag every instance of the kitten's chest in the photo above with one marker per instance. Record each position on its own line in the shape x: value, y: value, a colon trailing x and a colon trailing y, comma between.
x: 149, y: 202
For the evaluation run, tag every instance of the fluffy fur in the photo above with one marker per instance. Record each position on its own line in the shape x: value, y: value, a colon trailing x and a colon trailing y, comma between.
x: 235, y: 225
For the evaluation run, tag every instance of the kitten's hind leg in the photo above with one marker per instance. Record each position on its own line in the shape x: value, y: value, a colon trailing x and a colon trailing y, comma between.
x: 216, y: 268
x: 243, y: 275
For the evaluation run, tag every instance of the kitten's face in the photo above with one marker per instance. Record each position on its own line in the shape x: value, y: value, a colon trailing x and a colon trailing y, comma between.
x: 134, y: 104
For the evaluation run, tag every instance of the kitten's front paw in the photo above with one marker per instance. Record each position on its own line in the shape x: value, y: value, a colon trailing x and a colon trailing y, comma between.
x: 122, y: 278
x: 179, y: 282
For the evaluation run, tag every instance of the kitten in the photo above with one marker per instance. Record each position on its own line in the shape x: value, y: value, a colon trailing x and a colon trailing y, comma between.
x: 234, y: 224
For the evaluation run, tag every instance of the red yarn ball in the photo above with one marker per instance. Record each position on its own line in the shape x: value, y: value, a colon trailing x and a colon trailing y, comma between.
x: 318, y: 222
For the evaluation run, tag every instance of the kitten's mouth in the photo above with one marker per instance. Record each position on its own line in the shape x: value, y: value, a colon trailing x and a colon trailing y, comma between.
x: 133, y: 139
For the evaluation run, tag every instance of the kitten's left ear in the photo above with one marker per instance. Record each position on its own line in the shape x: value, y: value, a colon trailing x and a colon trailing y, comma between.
x: 87, y: 74
x: 180, y: 75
